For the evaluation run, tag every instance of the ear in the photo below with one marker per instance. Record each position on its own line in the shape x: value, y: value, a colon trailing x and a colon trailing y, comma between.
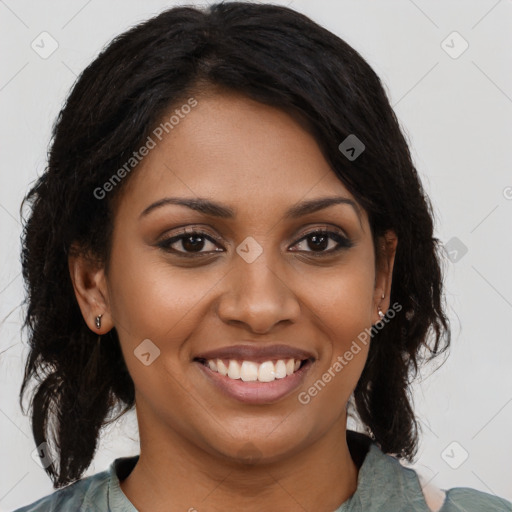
x: 386, y: 251
x: 91, y: 291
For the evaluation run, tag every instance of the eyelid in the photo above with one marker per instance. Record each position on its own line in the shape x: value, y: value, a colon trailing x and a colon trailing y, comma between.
x: 165, y: 241
x: 325, y: 228
x: 343, y: 241
x: 194, y: 230
x: 201, y: 230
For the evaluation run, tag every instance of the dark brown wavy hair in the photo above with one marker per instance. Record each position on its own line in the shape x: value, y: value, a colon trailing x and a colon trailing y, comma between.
x: 273, y: 55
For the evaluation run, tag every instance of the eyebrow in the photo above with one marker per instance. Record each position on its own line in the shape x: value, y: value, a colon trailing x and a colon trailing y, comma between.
x: 214, y: 209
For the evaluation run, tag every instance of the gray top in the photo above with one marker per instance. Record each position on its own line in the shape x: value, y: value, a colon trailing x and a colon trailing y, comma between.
x: 383, y: 485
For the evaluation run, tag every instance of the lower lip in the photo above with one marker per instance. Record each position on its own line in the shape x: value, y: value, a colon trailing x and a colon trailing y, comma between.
x: 255, y: 392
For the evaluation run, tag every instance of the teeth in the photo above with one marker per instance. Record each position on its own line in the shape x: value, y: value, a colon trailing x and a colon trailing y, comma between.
x: 249, y: 371
x: 280, y: 369
x: 233, y: 370
x: 221, y: 367
x: 266, y: 372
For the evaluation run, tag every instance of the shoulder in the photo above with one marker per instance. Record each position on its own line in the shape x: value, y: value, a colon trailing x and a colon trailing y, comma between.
x: 424, y: 494
x: 87, y: 494
x: 385, y: 483
x: 460, y: 498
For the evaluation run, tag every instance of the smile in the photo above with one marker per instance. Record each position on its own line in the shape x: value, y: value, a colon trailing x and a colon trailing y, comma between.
x: 255, y: 383
x: 250, y: 371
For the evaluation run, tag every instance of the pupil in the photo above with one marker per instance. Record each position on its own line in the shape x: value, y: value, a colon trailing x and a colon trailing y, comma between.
x: 321, y: 239
x: 191, y: 243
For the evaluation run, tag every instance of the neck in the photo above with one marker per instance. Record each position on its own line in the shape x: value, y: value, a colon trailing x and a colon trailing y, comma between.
x: 173, y: 474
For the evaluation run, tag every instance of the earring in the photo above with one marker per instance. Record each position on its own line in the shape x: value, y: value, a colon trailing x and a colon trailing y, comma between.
x: 379, y: 310
x: 370, y: 433
x: 98, y: 321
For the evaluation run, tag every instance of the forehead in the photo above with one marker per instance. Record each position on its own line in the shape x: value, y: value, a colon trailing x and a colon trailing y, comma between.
x: 238, y: 151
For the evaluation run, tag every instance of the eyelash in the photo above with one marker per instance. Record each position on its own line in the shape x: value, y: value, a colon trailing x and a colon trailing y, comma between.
x: 343, y: 242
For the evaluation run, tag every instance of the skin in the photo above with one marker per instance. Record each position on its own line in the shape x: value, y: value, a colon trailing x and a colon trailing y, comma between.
x: 259, y: 161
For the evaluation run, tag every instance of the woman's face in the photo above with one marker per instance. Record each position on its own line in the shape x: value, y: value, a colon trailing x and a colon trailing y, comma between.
x: 250, y: 284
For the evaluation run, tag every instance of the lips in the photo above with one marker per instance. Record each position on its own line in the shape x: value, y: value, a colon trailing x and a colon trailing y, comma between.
x: 257, y: 354
x: 255, y: 374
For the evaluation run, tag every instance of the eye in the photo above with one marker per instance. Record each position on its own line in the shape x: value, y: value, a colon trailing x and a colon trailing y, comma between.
x: 190, y: 242
x: 320, y: 239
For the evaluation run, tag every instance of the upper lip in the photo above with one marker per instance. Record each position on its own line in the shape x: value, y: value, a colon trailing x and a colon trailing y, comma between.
x: 258, y: 354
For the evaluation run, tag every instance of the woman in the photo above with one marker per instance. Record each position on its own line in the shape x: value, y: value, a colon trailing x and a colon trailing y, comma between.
x: 231, y: 235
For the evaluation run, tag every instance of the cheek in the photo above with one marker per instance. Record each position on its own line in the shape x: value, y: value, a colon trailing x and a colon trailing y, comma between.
x: 343, y: 307
x: 344, y: 304
x: 150, y: 298
x: 159, y: 303
x: 344, y: 316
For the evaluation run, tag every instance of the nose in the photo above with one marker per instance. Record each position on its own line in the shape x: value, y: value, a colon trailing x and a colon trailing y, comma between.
x: 258, y: 295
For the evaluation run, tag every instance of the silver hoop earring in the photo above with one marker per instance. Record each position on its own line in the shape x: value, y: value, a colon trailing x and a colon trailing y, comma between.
x: 98, y: 321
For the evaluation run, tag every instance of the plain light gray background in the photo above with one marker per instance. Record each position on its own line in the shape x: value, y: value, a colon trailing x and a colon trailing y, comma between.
x: 456, y: 110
